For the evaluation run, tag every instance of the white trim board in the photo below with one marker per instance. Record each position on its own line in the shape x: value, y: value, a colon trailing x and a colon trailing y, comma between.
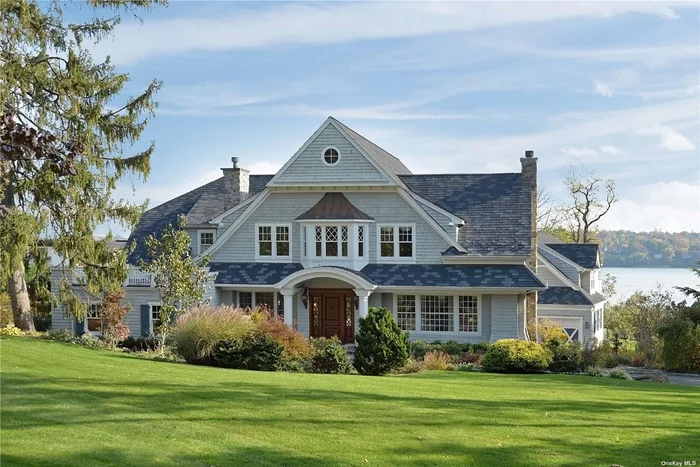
x: 563, y: 258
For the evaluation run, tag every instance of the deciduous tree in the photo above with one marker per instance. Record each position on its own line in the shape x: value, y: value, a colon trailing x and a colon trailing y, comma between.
x: 65, y: 131
x: 591, y: 197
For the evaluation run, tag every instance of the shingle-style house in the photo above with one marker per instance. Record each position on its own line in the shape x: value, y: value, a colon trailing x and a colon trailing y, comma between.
x: 573, y: 296
x: 345, y: 225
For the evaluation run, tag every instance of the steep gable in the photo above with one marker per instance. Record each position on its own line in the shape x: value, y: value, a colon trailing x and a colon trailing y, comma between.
x: 583, y: 254
x: 360, y: 162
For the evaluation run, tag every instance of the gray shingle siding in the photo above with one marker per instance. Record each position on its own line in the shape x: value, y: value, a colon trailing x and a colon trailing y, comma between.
x: 504, y: 317
x: 496, y: 208
x: 352, y: 167
x: 568, y: 270
x: 386, y: 207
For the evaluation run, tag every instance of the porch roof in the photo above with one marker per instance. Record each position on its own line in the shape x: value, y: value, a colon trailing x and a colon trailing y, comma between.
x: 562, y: 296
x: 252, y: 273
x: 453, y: 275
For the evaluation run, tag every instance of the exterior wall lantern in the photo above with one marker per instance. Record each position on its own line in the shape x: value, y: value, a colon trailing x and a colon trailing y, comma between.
x: 305, y: 297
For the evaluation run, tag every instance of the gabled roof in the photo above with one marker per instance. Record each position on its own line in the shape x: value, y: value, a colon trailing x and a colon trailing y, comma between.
x: 496, y: 208
x: 334, y: 206
x: 197, y: 205
x: 387, y: 161
x: 583, y: 254
x: 453, y: 275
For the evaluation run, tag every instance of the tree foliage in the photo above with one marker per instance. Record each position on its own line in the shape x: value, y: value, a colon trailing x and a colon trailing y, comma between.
x: 381, y: 345
x: 68, y: 135
x: 643, y: 249
x: 178, y: 278
x: 112, y: 314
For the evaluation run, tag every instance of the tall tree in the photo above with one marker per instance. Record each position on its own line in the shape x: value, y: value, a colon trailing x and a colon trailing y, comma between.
x: 591, y: 197
x: 178, y: 278
x: 67, y: 136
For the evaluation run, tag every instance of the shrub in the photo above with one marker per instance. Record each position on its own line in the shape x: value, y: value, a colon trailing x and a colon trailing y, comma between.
x: 466, y: 367
x: 329, y: 356
x: 567, y: 358
x: 471, y: 358
x: 411, y: 366
x: 435, y: 360
x: 140, y: 344
x: 619, y: 374
x: 418, y: 349
x: 516, y: 356
x: 60, y: 335
x: 638, y: 361
x: 198, y: 331
x: 595, y: 371
x: 681, y: 345
x: 296, y: 346
x: 381, y: 345
x: 11, y: 330
x: 113, y: 313
x: 551, y: 332
x: 296, y: 366
x: 256, y: 351
x: 88, y: 340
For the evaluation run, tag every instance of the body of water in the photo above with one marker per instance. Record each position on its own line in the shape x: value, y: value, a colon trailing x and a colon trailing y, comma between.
x: 630, y: 280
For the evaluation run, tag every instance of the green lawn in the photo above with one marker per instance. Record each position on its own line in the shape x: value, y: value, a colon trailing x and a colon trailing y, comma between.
x: 65, y: 405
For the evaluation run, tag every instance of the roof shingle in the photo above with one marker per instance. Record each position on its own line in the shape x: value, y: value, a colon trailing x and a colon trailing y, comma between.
x: 452, y: 275
x: 583, y: 254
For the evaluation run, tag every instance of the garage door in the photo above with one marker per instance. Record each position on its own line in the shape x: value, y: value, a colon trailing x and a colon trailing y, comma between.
x: 572, y: 327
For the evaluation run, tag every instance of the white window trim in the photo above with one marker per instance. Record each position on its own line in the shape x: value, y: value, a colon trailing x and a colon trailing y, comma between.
x: 255, y: 299
x: 323, y: 158
x: 85, y: 323
x: 311, y: 239
x: 455, y: 315
x: 274, y: 257
x: 396, y: 258
x: 201, y: 250
x: 150, y: 314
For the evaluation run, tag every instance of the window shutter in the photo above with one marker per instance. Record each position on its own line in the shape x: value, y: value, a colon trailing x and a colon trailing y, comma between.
x: 79, y: 327
x: 145, y: 320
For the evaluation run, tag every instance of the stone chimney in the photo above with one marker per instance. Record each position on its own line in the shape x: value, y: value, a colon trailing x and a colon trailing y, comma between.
x: 236, y: 184
x: 529, y: 174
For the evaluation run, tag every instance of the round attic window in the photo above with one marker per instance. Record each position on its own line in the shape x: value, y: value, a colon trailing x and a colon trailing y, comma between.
x: 331, y: 156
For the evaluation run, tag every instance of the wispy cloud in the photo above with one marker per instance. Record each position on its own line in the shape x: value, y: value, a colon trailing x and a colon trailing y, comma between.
x: 671, y: 140
x: 331, y: 23
x: 603, y: 89
x: 579, y: 152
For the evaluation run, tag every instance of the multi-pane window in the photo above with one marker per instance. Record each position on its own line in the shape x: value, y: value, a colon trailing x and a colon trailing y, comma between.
x: 274, y: 241
x: 303, y: 236
x: 396, y: 241
x: 386, y: 241
x: 265, y: 240
x: 361, y: 241
x: 245, y: 299
x: 406, y: 242
x: 331, y: 156
x: 331, y: 241
x: 406, y: 312
x: 344, y: 240
x: 206, y: 239
x: 282, y: 240
x: 265, y: 300
x: 155, y: 317
x: 319, y: 241
x: 94, y: 322
x: 437, y: 313
x: 468, y: 314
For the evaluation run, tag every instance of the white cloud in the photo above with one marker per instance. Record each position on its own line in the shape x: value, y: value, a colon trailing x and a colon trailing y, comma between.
x: 668, y: 206
x: 603, y: 89
x: 329, y: 23
x: 579, y: 152
x: 610, y: 149
x: 671, y: 140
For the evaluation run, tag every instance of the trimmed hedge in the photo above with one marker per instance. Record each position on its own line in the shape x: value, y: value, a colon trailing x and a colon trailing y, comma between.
x: 516, y: 356
x: 418, y: 349
x: 256, y: 351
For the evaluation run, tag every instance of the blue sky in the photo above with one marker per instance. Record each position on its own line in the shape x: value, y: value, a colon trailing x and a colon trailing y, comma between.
x: 446, y: 87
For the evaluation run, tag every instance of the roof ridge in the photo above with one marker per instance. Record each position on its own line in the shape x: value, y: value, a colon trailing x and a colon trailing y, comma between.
x: 460, y: 173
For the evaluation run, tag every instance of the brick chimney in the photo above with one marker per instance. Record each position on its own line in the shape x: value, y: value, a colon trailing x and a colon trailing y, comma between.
x: 236, y: 184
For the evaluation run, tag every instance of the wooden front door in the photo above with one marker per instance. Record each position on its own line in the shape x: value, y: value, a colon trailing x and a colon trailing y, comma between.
x: 331, y: 313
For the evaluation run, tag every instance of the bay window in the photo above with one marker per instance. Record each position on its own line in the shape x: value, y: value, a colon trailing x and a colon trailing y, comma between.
x: 361, y: 241
x: 273, y: 241
x: 331, y: 241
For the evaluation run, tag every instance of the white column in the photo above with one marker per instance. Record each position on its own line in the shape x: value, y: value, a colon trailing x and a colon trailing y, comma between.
x: 288, y: 296
x: 363, y: 296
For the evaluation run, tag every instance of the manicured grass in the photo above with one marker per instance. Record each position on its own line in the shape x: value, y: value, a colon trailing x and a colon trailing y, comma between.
x: 64, y: 405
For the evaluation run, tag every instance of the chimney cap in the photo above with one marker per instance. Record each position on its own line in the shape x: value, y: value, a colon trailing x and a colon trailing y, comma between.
x: 234, y: 160
x: 529, y: 153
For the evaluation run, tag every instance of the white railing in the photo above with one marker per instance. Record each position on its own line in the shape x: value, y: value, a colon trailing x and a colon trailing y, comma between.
x: 138, y: 278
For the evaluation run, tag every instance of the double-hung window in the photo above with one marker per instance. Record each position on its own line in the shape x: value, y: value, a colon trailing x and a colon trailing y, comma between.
x: 437, y: 313
x: 406, y: 312
x: 273, y: 241
x: 155, y: 317
x: 206, y: 239
x: 397, y: 241
x: 361, y: 241
x: 94, y: 321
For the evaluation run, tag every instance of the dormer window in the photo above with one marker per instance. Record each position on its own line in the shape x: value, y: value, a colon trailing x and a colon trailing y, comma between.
x: 331, y: 156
